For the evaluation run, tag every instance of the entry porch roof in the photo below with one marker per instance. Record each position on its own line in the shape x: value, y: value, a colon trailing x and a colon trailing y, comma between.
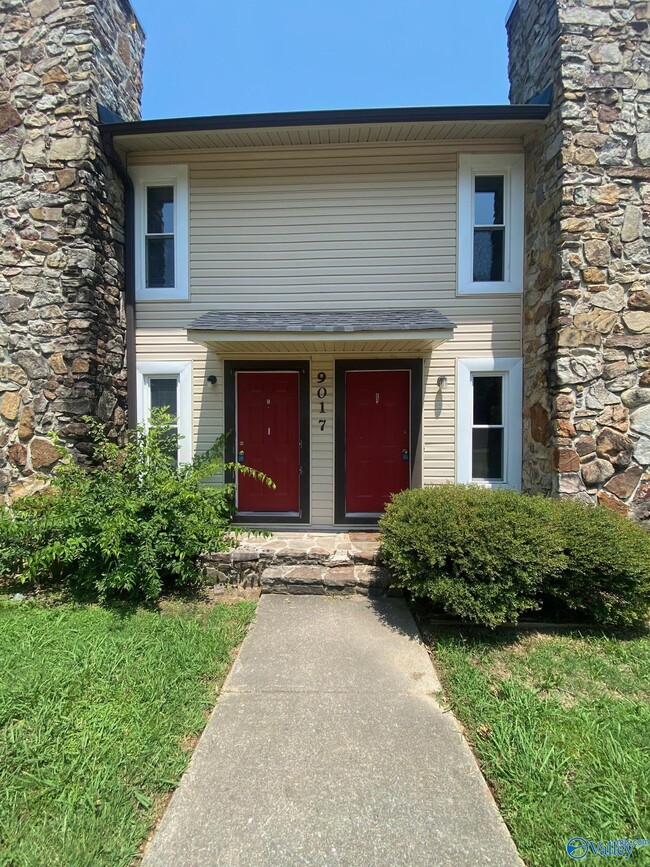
x: 413, y: 328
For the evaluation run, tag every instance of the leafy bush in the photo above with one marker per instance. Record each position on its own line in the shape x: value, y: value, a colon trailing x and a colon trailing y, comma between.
x: 480, y: 554
x: 134, y: 525
x: 488, y: 555
x: 606, y: 567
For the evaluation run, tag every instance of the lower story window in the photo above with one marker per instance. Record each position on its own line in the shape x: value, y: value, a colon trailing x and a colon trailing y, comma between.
x: 168, y: 385
x: 487, y: 427
x: 162, y: 392
x: 489, y: 421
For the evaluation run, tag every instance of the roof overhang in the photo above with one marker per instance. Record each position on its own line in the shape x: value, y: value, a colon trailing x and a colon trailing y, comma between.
x: 416, y: 330
x: 354, y: 126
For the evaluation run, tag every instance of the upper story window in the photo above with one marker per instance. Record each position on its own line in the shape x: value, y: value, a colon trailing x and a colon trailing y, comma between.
x: 490, y: 223
x: 159, y: 239
x: 161, y: 230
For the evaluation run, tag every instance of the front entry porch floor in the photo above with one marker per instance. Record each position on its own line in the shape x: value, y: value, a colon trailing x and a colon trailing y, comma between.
x: 313, y: 546
x: 328, y: 746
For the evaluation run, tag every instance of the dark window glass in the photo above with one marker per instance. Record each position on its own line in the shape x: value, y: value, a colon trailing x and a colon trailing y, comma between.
x: 163, y: 393
x: 160, y: 262
x: 488, y: 201
x: 487, y: 453
x: 488, y: 400
x: 488, y: 255
x: 160, y: 210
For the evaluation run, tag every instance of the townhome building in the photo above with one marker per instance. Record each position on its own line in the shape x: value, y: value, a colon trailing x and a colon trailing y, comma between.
x: 363, y: 300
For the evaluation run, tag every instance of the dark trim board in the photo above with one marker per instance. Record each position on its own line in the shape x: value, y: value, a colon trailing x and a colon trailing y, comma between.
x: 230, y: 420
x: 415, y: 366
x: 415, y: 114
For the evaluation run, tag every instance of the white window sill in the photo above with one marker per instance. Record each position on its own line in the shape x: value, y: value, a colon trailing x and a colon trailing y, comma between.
x: 490, y: 289
x: 171, y: 294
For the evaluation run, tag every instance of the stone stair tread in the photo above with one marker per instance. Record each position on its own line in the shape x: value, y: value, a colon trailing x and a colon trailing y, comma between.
x: 300, y: 578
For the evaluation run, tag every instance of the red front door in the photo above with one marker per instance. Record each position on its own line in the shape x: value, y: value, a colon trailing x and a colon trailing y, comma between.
x: 377, y: 458
x: 268, y: 435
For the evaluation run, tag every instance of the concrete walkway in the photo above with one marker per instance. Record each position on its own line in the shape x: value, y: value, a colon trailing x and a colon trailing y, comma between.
x: 327, y: 747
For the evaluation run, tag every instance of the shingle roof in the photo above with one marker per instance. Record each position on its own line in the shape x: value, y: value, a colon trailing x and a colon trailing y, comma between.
x: 323, y: 321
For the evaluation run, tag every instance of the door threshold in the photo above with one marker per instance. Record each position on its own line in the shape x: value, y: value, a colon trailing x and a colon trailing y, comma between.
x: 373, y: 515
x: 268, y: 514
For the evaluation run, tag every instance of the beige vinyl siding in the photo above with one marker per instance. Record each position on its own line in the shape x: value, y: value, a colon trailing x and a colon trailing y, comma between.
x: 322, y: 443
x: 322, y: 227
x: 438, y: 423
x: 172, y: 345
x: 329, y: 227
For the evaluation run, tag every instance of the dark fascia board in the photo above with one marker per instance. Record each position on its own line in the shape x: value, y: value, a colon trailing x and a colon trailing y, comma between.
x: 422, y: 114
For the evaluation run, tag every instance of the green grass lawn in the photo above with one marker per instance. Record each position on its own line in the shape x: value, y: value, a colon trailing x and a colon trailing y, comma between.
x: 560, y: 724
x: 98, y: 707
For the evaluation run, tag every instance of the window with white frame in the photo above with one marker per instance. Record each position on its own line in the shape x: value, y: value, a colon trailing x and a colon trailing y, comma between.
x: 489, y: 421
x: 490, y: 223
x: 161, y: 230
x: 168, y: 385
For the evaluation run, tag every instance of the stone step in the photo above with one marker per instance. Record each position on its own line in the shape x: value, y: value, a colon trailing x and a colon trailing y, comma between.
x: 314, y: 556
x: 335, y: 580
x: 342, y: 562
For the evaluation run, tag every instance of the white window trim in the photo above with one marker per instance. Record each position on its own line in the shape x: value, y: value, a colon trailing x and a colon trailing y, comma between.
x: 511, y: 166
x: 511, y: 370
x: 160, y: 176
x: 182, y: 369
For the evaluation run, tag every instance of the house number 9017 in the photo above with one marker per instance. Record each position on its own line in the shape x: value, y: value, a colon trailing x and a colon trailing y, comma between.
x: 321, y: 394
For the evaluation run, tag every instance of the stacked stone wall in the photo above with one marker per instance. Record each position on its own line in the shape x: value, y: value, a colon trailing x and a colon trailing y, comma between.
x: 587, y: 298
x: 62, y: 334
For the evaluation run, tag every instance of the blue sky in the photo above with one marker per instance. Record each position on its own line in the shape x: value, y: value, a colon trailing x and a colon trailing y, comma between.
x: 234, y: 56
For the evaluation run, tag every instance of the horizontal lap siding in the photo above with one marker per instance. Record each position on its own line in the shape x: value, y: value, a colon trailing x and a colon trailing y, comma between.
x: 329, y: 228
x: 322, y: 441
x: 322, y: 227
x: 207, y: 400
x: 438, y: 423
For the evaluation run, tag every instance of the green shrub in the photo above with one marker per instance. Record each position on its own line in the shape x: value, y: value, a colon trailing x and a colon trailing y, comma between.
x: 480, y: 554
x: 133, y: 526
x: 606, y: 570
x: 486, y: 555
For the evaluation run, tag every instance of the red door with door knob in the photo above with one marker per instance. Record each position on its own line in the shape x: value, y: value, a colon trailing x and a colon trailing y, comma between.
x: 268, y: 439
x: 377, y: 438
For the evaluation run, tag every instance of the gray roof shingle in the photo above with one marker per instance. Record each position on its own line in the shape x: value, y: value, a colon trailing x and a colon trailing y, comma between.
x: 323, y: 321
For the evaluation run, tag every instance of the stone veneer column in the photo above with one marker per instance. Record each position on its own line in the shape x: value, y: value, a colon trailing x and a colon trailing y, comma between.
x: 62, y: 334
x: 587, y: 299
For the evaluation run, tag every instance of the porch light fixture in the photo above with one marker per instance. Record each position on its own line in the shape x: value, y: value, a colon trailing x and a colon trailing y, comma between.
x: 442, y: 383
x: 212, y: 379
